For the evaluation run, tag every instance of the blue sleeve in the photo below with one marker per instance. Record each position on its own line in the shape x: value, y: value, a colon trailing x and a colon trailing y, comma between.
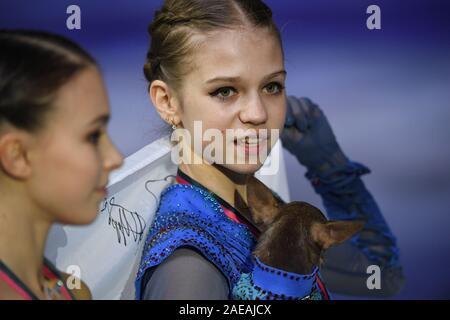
x: 345, y: 197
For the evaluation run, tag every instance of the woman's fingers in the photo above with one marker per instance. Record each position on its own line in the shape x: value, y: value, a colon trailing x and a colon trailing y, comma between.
x: 290, y: 136
x: 299, y: 113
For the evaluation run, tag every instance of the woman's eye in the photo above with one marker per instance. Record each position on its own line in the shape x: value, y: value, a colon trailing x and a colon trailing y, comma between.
x: 274, y: 88
x: 94, y: 137
x: 223, y: 93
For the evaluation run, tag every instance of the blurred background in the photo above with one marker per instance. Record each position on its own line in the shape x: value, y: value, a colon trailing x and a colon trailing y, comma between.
x: 385, y: 92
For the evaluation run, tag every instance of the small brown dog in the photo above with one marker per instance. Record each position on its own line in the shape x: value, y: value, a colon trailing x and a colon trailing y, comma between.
x: 293, y: 235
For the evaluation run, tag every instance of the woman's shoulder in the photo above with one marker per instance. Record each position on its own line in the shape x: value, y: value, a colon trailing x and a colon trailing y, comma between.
x: 185, y: 192
x: 80, y: 292
x: 8, y: 293
x: 190, y: 199
x: 189, y: 216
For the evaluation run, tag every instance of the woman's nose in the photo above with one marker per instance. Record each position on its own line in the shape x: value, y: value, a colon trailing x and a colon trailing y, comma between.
x: 254, y: 111
x: 113, y: 158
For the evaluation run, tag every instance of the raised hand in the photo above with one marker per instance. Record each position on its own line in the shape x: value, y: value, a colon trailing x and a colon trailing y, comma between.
x: 308, y: 135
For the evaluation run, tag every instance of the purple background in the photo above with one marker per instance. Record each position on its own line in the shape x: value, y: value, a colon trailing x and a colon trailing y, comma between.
x: 385, y: 92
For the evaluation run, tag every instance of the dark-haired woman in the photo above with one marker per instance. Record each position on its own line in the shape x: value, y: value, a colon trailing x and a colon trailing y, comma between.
x: 55, y: 156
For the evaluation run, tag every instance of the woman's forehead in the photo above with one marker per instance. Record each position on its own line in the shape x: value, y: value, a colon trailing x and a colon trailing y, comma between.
x: 238, y: 53
x: 82, y: 99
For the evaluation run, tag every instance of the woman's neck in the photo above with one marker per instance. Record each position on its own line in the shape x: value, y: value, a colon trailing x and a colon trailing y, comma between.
x: 217, y: 179
x: 22, y: 240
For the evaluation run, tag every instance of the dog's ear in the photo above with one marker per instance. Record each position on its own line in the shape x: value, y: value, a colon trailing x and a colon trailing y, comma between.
x: 334, y: 232
x: 263, y: 205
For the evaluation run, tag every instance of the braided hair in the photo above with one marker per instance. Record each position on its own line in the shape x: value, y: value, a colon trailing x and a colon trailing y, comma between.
x: 175, y: 26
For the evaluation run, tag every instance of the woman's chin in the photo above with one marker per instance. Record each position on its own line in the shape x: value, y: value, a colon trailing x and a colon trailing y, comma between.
x: 243, y: 168
x: 82, y: 217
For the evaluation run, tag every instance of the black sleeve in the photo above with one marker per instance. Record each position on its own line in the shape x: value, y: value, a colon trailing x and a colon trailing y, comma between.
x: 186, y: 274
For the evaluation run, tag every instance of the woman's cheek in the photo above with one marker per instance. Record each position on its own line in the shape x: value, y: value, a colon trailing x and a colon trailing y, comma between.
x: 94, y: 166
x: 85, y: 168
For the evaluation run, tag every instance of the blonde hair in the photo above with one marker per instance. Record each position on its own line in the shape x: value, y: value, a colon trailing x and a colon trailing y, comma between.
x: 175, y: 25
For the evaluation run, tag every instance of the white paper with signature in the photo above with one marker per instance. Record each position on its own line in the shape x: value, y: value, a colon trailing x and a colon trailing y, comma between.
x: 108, y: 251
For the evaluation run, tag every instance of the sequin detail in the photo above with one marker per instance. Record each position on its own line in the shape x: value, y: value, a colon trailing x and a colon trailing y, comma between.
x: 190, y: 216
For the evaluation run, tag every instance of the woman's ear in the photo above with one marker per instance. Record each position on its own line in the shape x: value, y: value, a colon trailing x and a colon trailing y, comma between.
x: 165, y: 102
x: 13, y: 155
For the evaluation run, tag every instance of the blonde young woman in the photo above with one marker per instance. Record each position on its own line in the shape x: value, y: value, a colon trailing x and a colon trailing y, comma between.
x: 222, y: 63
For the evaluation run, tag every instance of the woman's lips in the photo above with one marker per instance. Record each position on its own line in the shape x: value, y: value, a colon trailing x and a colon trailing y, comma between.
x: 251, y: 148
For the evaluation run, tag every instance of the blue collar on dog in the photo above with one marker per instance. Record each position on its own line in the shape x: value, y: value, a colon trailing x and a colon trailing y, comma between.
x: 279, y: 282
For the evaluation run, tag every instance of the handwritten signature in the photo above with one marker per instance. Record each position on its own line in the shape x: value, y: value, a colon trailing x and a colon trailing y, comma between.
x: 126, y: 223
x: 129, y: 223
x: 167, y: 178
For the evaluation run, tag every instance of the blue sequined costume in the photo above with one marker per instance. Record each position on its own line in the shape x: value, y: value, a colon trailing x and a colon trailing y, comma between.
x: 190, y: 216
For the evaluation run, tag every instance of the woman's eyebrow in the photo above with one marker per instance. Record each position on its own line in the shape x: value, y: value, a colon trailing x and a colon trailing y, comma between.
x: 276, y: 73
x: 236, y: 79
x: 220, y: 79
x: 102, y: 119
